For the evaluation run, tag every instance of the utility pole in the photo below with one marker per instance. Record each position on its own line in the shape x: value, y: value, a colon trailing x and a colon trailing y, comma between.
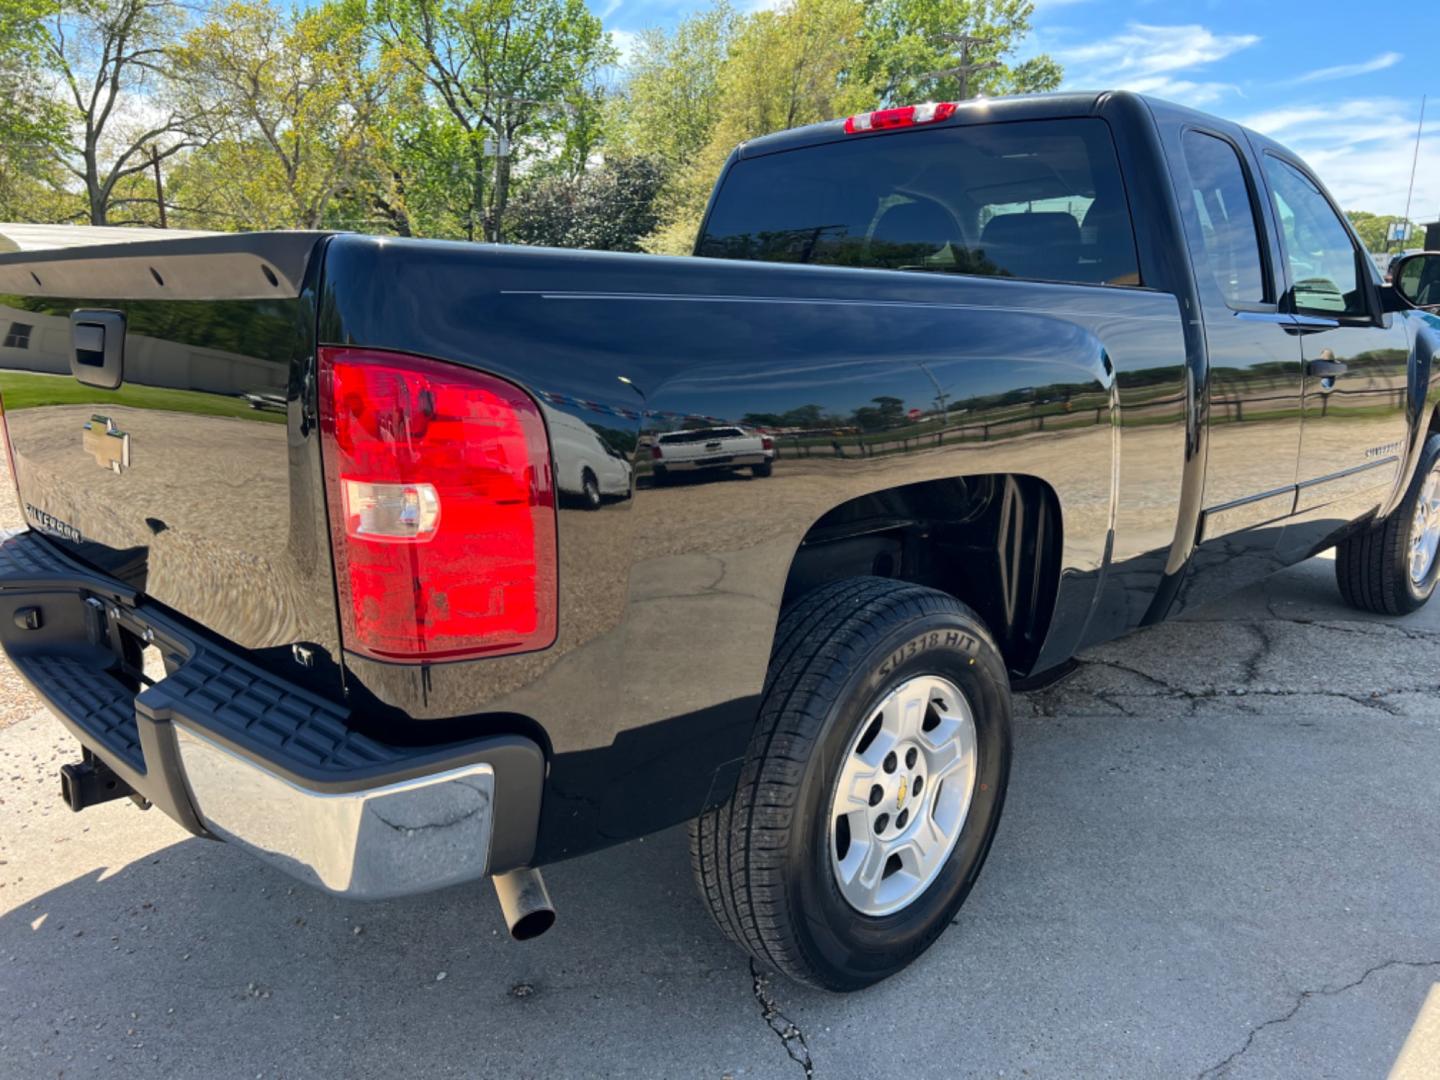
x: 1413, y: 163
x: 965, y: 68
x: 159, y: 187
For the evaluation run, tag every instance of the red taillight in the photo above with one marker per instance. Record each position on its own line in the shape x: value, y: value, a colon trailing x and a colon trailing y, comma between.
x: 655, y: 452
x: 442, y: 511
x: 767, y: 443
x: 905, y: 116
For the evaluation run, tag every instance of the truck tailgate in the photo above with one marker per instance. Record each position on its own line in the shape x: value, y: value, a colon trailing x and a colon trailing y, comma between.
x: 196, y: 481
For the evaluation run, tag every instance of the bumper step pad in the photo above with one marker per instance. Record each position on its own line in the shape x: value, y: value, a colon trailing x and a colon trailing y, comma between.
x: 232, y: 751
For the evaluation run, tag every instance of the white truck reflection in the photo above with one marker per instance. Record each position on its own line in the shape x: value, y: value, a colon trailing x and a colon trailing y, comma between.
x: 711, y: 449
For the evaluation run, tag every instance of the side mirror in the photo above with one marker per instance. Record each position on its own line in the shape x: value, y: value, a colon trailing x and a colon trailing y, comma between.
x: 1416, y: 279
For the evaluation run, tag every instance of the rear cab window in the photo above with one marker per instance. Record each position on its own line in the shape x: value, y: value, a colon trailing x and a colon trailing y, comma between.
x: 702, y: 435
x: 1036, y: 199
x: 1222, y: 230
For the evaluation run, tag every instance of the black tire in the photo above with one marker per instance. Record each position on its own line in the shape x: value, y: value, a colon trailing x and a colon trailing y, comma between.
x: 1372, y: 567
x: 590, y: 491
x: 763, y: 470
x: 661, y: 475
x: 762, y: 859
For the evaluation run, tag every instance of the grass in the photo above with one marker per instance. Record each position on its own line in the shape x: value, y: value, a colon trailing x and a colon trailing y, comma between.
x: 27, y: 390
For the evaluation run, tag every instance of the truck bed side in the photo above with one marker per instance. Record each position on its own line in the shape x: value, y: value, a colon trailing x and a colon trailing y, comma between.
x: 669, y: 600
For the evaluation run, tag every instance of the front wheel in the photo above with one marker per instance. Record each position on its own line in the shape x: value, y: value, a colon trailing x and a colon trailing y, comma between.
x: 871, y: 788
x: 1391, y: 568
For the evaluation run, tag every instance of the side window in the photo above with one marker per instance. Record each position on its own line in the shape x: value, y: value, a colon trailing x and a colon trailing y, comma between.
x: 19, y: 336
x: 1324, y: 264
x: 1223, y: 241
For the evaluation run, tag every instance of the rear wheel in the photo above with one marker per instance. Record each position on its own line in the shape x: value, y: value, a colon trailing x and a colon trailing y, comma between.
x: 764, y: 469
x: 871, y: 788
x: 1392, y: 567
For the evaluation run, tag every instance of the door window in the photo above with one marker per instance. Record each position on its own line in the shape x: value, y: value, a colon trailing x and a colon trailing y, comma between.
x: 1222, y: 236
x: 1324, y: 265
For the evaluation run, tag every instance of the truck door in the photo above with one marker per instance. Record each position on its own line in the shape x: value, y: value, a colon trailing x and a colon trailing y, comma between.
x: 1255, y: 377
x: 1354, y: 429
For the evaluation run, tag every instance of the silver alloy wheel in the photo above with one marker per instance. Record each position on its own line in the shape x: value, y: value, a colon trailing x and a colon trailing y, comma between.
x: 903, y: 794
x: 1425, y: 532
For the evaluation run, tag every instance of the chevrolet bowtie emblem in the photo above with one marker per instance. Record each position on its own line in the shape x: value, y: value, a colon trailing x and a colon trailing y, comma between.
x: 110, y: 448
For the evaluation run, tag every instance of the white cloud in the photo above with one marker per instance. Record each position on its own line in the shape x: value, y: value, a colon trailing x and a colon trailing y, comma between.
x: 1154, y: 60
x: 1362, y: 148
x: 1185, y: 91
x: 624, y: 42
x: 1345, y: 71
x: 1149, y: 50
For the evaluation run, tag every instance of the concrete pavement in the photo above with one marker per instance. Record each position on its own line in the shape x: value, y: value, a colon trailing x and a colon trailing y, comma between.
x: 1220, y: 857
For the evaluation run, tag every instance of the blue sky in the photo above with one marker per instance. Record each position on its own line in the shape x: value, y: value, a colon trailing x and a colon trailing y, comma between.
x: 1341, y: 89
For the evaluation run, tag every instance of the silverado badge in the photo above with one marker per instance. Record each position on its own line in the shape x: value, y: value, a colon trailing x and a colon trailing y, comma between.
x: 109, y: 447
x: 900, y: 797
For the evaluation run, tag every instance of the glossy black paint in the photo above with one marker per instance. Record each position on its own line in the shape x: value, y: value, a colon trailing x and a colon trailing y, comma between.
x: 217, y: 512
x: 1123, y: 418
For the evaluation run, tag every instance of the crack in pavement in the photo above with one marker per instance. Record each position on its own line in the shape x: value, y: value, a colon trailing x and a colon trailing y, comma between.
x: 1364, y: 628
x: 1047, y: 700
x: 784, y: 1028
x: 1300, y: 1000
x: 1260, y: 655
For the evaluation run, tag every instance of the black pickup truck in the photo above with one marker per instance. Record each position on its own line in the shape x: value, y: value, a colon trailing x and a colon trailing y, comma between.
x: 315, y: 566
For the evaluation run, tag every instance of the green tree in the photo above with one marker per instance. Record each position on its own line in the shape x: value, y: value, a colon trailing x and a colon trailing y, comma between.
x: 31, y: 122
x: 670, y: 102
x: 796, y: 65
x: 935, y: 50
x: 508, y: 75
x: 608, y: 208
x: 295, y: 94
x: 111, y: 62
x: 1374, y: 229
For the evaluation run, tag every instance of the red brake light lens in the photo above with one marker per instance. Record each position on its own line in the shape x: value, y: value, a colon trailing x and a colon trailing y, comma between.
x: 442, y: 508
x: 767, y: 443
x: 932, y: 112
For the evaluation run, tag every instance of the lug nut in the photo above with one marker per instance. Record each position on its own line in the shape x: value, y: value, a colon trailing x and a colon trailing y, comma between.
x: 915, y: 788
x: 876, y: 794
x: 902, y: 819
x: 882, y: 823
x: 911, y: 756
x: 890, y: 762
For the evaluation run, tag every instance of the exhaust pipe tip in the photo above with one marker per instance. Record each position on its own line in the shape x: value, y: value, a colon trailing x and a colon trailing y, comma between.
x: 525, y: 903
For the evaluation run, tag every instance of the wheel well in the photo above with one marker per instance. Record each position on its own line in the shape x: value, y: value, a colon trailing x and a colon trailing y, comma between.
x: 1435, y: 421
x: 992, y: 541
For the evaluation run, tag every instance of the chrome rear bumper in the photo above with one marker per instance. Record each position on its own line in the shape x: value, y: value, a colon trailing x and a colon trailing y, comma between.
x: 404, y: 837
x: 231, y: 751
